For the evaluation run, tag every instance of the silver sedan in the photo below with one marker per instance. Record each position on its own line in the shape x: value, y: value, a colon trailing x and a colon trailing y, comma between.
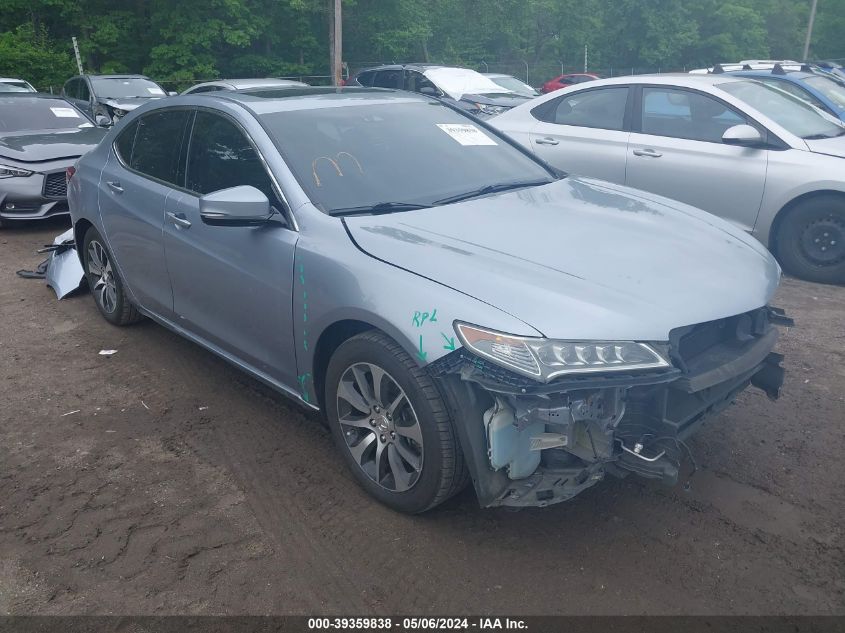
x: 767, y: 162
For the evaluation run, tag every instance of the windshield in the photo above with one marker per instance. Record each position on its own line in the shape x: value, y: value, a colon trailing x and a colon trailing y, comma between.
x: 831, y: 89
x: 519, y: 87
x: 422, y: 153
x: 15, y: 86
x: 794, y: 115
x: 125, y: 87
x: 457, y: 82
x: 25, y: 113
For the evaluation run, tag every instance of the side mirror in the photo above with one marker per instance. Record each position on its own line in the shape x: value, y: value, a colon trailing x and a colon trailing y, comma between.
x: 428, y: 90
x: 102, y: 120
x: 237, y: 206
x: 172, y: 93
x: 742, y: 135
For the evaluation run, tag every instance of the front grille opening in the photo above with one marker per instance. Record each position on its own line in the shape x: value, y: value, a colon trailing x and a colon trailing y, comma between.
x: 55, y: 185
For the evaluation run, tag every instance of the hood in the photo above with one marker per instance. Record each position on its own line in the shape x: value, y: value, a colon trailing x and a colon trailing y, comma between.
x: 44, y: 145
x: 829, y: 146
x: 508, y: 100
x: 581, y: 259
x: 128, y: 104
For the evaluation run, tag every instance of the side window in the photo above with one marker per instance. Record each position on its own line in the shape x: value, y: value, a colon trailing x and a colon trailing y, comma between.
x: 603, y: 108
x: 220, y: 156
x: 124, y: 143
x: 366, y: 78
x: 158, y: 144
x: 70, y: 89
x: 205, y: 89
x: 84, y: 94
x: 388, y: 79
x: 415, y: 82
x: 689, y: 115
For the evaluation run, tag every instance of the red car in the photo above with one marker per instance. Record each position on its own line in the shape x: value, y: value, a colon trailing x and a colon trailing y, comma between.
x: 562, y: 81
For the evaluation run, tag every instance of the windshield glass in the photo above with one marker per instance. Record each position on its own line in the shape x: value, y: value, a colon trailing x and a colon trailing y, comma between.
x: 25, y: 113
x: 457, y: 82
x: 14, y: 86
x: 365, y: 154
x: 831, y: 89
x: 519, y: 87
x: 125, y: 87
x: 794, y: 115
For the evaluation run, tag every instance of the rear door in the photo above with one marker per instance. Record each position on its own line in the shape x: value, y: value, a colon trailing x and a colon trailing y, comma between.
x: 232, y: 285
x: 676, y: 150
x: 585, y: 132
x: 137, y: 188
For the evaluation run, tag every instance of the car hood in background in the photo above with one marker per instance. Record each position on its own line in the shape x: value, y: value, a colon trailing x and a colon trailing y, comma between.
x: 829, y: 146
x: 128, y: 104
x: 44, y: 145
x: 580, y: 259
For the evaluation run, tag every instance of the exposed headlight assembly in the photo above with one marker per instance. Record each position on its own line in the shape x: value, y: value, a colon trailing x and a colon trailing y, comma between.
x: 544, y: 359
x: 490, y: 109
x: 119, y: 113
x: 7, y: 171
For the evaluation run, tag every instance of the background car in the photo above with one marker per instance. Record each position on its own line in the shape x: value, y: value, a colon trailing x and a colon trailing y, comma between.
x: 463, y: 87
x: 512, y: 83
x: 356, y: 250
x: 8, y: 84
x: 106, y: 98
x: 234, y: 85
x: 40, y: 137
x: 768, y: 162
x: 833, y: 68
x: 563, y: 81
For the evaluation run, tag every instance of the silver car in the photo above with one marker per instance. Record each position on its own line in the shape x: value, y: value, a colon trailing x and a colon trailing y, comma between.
x: 234, y: 85
x: 456, y: 309
x: 767, y: 162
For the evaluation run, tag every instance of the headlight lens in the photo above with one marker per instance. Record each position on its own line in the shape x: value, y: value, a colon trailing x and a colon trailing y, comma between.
x: 7, y: 171
x: 119, y: 113
x: 545, y: 359
x: 490, y: 109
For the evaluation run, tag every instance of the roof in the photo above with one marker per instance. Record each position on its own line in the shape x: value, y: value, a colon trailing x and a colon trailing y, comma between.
x: 787, y: 74
x: 12, y: 79
x: 412, y: 66
x: 673, y: 79
x: 246, y: 84
x: 112, y: 76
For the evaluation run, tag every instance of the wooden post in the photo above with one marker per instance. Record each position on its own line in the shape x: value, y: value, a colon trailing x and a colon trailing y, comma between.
x: 337, y: 44
x: 809, y: 31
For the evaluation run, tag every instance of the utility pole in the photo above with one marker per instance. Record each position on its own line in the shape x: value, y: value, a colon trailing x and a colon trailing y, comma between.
x: 809, y: 31
x: 337, y: 44
x: 76, y: 53
x: 585, y: 58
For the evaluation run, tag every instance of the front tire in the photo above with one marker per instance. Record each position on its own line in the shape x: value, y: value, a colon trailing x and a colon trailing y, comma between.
x: 105, y: 282
x: 811, y: 240
x: 391, y: 425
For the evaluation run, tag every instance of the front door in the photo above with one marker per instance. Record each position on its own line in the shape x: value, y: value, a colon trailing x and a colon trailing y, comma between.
x: 232, y: 285
x: 677, y: 152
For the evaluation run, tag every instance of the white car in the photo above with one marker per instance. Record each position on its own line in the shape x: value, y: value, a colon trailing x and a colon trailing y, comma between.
x: 9, y: 84
x: 235, y: 85
x: 752, y: 154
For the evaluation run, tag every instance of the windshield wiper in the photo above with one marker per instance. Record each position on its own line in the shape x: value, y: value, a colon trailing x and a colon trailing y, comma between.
x: 497, y: 188
x: 379, y: 209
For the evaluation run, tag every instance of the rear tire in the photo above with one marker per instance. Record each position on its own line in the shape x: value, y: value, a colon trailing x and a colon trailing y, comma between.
x: 810, y: 242
x: 398, y: 439
x: 105, y: 282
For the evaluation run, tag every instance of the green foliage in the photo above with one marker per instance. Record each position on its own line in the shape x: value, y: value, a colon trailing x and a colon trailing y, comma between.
x: 178, y: 41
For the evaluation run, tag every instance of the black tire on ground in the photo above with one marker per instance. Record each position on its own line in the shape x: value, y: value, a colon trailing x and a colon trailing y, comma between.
x: 442, y: 472
x: 108, y: 290
x: 810, y: 242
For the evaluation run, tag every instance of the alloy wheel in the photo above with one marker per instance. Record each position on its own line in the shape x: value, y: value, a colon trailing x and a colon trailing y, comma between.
x: 99, y: 267
x: 381, y: 429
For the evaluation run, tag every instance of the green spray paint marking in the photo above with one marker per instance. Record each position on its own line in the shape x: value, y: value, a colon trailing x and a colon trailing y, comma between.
x: 304, y: 377
x: 450, y: 342
x: 419, y: 318
x: 302, y: 380
x: 421, y: 354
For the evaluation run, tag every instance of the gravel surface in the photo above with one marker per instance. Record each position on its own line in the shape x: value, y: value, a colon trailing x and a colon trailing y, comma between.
x: 160, y: 480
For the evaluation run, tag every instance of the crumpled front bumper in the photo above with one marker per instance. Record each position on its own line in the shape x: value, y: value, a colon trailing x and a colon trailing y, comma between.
x: 533, y: 444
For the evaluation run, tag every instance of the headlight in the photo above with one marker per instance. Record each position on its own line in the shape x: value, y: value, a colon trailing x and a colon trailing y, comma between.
x: 545, y: 359
x: 7, y: 171
x: 490, y: 109
x: 118, y: 112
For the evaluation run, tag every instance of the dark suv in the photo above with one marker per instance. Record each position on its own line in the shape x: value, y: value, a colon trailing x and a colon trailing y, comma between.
x: 106, y: 98
x: 466, y: 88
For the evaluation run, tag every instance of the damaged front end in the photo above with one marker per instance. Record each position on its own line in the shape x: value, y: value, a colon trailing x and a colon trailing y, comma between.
x: 532, y: 443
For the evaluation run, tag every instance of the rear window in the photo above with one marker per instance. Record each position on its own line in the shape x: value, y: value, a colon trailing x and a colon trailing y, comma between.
x: 363, y: 154
x: 24, y: 113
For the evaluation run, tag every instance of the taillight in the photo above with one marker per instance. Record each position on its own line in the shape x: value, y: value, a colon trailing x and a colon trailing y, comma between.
x: 69, y: 172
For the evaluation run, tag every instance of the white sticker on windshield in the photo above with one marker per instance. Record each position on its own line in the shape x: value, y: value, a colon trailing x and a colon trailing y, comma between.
x: 466, y: 134
x: 65, y: 113
x: 155, y: 91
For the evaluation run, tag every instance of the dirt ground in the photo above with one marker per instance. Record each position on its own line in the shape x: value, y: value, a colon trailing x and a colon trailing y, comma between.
x: 160, y: 480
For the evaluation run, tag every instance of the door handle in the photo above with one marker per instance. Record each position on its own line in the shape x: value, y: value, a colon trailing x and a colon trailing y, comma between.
x: 547, y: 141
x: 179, y: 220
x: 114, y: 185
x: 650, y: 153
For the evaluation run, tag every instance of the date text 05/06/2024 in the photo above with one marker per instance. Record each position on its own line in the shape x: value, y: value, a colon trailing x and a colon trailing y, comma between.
x: 415, y: 624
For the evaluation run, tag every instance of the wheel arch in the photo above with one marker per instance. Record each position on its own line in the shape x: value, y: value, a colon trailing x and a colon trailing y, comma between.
x: 330, y: 339
x: 772, y: 243
x: 79, y: 230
